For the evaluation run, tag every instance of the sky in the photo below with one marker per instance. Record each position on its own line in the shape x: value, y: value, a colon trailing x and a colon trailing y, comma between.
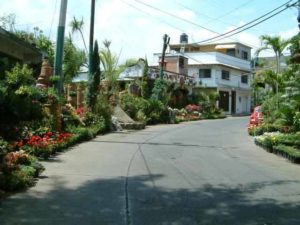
x: 136, y: 27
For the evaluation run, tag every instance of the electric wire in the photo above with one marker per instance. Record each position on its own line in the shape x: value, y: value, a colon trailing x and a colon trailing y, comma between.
x: 251, y: 22
x: 195, y: 24
x: 148, y: 14
x: 52, y: 20
x: 231, y: 11
x: 223, y: 36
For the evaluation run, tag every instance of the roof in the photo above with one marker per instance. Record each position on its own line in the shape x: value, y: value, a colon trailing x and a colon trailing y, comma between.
x: 81, y: 77
x: 210, y: 43
x: 11, y: 45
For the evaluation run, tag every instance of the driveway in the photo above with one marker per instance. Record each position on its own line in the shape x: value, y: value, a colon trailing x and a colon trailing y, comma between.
x: 202, y: 173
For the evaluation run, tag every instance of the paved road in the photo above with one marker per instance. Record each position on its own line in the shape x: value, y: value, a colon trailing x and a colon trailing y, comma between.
x: 206, y: 172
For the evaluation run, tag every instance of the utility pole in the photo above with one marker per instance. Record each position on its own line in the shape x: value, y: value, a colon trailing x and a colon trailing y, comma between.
x: 166, y: 39
x: 298, y: 18
x: 91, y: 37
x: 60, y: 46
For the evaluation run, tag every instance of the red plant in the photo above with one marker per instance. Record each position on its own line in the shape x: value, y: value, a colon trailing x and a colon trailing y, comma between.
x: 44, y: 140
x: 81, y: 112
x: 192, y: 107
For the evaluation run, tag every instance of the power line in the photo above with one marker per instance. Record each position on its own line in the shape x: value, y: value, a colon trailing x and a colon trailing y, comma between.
x: 202, y: 14
x: 52, y: 20
x: 140, y: 10
x: 177, y: 17
x: 195, y: 24
x: 231, y: 11
x: 232, y: 32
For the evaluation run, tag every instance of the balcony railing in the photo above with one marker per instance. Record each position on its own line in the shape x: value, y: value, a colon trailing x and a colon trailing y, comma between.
x: 203, y: 58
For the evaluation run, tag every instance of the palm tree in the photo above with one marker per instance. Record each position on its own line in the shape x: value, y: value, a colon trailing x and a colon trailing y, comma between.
x: 277, y: 44
x: 77, y: 26
x: 109, y: 62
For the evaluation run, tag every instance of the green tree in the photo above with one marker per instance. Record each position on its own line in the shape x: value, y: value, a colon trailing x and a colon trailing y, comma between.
x: 266, y: 77
x: 41, y: 41
x: 77, y: 26
x: 276, y: 44
x: 93, y: 88
x: 109, y: 62
x: 74, y: 59
x: 145, y: 82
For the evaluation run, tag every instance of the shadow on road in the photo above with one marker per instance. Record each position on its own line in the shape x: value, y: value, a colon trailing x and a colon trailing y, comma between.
x: 103, y: 202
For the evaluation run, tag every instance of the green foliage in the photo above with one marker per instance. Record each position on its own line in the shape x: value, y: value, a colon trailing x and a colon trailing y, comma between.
x: 207, y: 102
x: 4, y: 148
x: 109, y: 62
x: 94, y: 82
x: 19, y: 174
x: 156, y: 112
x: 277, y: 44
x: 103, y: 109
x: 20, y: 99
x: 16, y: 180
x: 160, y: 91
x: 145, y: 87
x: 19, y: 75
x: 41, y: 41
x: 77, y: 26
x: 289, y: 152
x: 149, y: 111
x: 132, y: 104
x: 74, y: 59
x: 54, y: 79
x: 294, y: 47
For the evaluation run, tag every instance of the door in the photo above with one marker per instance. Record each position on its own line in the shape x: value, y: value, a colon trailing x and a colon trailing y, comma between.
x: 224, y: 100
x: 233, y: 102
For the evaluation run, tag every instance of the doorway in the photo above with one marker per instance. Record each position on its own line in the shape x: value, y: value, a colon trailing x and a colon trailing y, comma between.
x: 233, y: 102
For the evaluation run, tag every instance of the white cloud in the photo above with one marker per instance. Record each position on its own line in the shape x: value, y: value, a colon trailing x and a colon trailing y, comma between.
x: 135, y: 31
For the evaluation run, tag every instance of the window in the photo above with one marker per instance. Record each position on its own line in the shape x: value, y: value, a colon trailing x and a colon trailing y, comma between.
x: 181, y: 62
x: 244, y: 79
x: 245, y: 55
x: 230, y: 51
x: 204, y: 73
x: 225, y: 75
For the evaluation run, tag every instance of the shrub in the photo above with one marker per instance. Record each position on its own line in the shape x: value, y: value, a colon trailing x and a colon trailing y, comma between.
x: 160, y: 91
x: 156, y: 112
x: 289, y: 139
x: 18, y: 171
x: 104, y: 111
x: 4, y: 148
x: 255, y: 130
x: 289, y: 152
x: 16, y: 180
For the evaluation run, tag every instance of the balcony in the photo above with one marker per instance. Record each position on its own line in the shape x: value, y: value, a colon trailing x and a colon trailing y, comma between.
x: 202, y: 58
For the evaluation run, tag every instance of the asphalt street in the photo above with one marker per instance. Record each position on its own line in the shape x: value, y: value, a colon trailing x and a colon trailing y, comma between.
x: 197, y: 173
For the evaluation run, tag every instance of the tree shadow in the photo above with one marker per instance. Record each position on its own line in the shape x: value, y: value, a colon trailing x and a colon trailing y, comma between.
x: 103, y: 201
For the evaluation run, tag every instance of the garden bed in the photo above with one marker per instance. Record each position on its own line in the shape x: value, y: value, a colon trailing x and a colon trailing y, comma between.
x: 284, y: 145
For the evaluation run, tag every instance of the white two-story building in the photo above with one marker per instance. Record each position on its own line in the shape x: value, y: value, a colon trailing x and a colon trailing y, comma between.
x: 221, y: 67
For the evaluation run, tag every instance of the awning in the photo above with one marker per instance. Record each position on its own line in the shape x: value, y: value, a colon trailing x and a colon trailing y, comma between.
x: 228, y: 46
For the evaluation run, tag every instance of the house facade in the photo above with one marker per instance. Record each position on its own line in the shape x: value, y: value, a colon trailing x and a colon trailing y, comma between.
x: 221, y: 67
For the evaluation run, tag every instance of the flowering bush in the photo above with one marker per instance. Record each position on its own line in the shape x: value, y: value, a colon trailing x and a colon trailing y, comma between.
x: 81, y: 112
x: 13, y: 159
x: 42, y: 144
x: 192, y: 107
